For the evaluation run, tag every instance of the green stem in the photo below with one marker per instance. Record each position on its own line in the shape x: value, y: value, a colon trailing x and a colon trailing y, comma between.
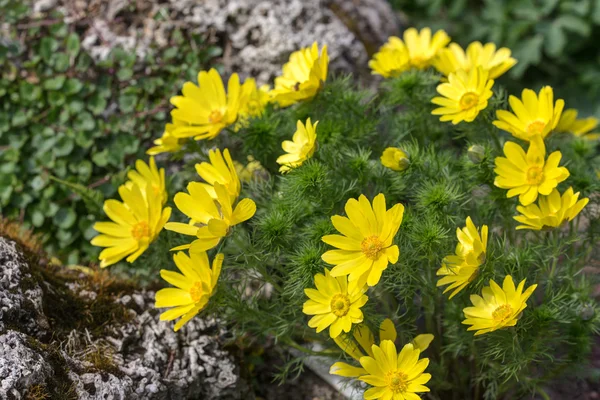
x: 326, y: 353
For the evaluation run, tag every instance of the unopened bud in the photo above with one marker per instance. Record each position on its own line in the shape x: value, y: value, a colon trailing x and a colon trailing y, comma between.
x: 395, y: 159
x: 476, y: 153
x: 587, y: 312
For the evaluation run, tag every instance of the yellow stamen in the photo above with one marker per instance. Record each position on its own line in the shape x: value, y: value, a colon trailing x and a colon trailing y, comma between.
x: 340, y: 305
x: 536, y: 127
x: 196, y: 292
x: 397, y: 381
x: 140, y: 230
x: 468, y: 100
x: 502, y: 313
x: 535, y: 175
x: 371, y: 247
x: 215, y: 116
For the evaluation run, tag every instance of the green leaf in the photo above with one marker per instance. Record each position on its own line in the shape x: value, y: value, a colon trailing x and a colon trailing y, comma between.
x: 64, y: 146
x: 61, y: 62
x: 96, y: 104
x: 101, y: 158
x: 20, y: 118
x: 72, y: 86
x: 48, y: 46
x: 38, y: 183
x: 92, y: 198
x: 37, y: 218
x: 84, y: 122
x: 528, y: 52
x: 127, y: 102
x: 65, y: 218
x: 73, y: 44
x: 555, y: 40
x: 574, y: 24
x: 124, y: 74
x: 54, y: 83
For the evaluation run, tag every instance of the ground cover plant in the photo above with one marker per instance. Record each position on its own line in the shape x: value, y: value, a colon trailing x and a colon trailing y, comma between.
x: 430, y: 239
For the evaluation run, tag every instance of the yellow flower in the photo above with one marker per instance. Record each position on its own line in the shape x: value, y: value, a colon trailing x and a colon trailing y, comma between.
x: 193, y: 287
x: 167, y: 143
x: 149, y: 176
x: 137, y: 222
x: 206, y: 109
x: 250, y: 171
x: 393, y: 375
x: 300, y: 148
x: 395, y: 159
x: 303, y: 76
x: 535, y: 115
x: 551, y: 211
x: 254, y: 100
x: 334, y: 304
x: 578, y: 127
x: 365, y: 246
x: 461, y: 268
x: 453, y: 58
x: 499, y: 307
x: 422, y: 48
x: 222, y: 170
x: 528, y: 174
x: 465, y: 94
x: 364, y: 337
x: 391, y: 60
x: 210, y: 220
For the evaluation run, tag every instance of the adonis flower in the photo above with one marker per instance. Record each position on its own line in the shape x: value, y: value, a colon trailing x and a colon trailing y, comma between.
x: 211, y: 219
x: 395, y: 159
x: 391, y: 60
x: 551, y: 211
x: 460, y: 269
x: 303, y: 76
x: 465, y: 95
x: 221, y: 169
x: 533, y: 116
x: 393, y: 375
x: 365, y: 246
x: 205, y: 110
x: 526, y: 175
x: 495, y: 62
x: 422, y: 48
x: 148, y: 175
x: 334, y: 304
x: 194, y: 286
x: 300, y: 148
x: 167, y: 143
x: 499, y: 307
x: 137, y: 221
x: 578, y: 127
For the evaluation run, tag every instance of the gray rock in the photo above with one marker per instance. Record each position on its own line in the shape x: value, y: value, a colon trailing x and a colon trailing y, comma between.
x: 140, y: 358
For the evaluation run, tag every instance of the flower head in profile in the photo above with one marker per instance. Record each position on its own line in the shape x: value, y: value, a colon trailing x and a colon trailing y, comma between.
x: 579, y: 127
x: 464, y: 95
x: 194, y: 286
x: 422, y: 48
x: 551, y: 211
x: 495, y: 62
x: 526, y: 175
x: 252, y: 170
x: 210, y: 219
x: 361, y: 344
x: 365, y: 246
x: 136, y: 222
x: 498, y: 307
x: 148, y: 176
x: 459, y: 269
x: 334, y: 304
x: 253, y: 101
x: 222, y: 170
x: 303, y: 75
x: 395, y: 159
x: 300, y: 148
x: 534, y: 115
x: 167, y: 143
x: 394, y: 375
x: 391, y: 60
x: 205, y: 110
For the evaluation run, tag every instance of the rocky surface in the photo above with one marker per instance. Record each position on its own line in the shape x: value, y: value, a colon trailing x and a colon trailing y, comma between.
x: 257, y: 35
x: 83, y: 351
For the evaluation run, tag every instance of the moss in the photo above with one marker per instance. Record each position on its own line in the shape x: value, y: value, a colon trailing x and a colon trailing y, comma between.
x: 37, y: 392
x: 103, y: 361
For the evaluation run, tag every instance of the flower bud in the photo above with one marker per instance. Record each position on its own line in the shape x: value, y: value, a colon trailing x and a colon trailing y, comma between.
x: 587, y: 312
x: 395, y: 159
x: 476, y: 153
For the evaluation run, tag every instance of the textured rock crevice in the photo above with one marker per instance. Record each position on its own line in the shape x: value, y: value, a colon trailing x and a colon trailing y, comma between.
x: 136, y: 357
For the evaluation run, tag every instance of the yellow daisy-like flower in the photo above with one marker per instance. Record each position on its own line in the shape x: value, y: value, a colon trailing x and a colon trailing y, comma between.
x: 422, y: 48
x: 254, y: 99
x: 222, y: 170
x: 391, y: 60
x: 534, y: 115
x: 453, y: 58
x: 395, y: 159
x: 526, y: 175
x: 167, y: 143
x: 395, y: 375
x: 303, y: 76
x: 300, y: 148
x: 365, y: 246
x: 210, y: 220
x: 465, y: 95
x: 551, y: 211
x: 334, y: 304
x: 205, y: 110
x: 250, y: 171
x: 364, y: 337
x: 499, y: 307
x: 137, y: 221
x: 578, y: 127
x: 149, y: 176
x: 460, y: 269
x: 194, y: 286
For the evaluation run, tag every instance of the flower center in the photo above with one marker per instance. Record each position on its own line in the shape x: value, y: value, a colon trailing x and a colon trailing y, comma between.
x: 397, y: 381
x: 535, y: 175
x: 502, y: 313
x: 340, y: 305
x: 215, y: 116
x: 536, y: 128
x: 419, y: 61
x: 468, y: 100
x: 140, y: 230
x: 371, y: 247
x: 196, y: 292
